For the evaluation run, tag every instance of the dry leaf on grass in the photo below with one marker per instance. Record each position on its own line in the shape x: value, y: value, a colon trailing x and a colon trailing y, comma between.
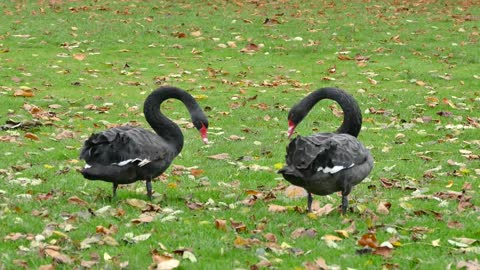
x: 221, y: 156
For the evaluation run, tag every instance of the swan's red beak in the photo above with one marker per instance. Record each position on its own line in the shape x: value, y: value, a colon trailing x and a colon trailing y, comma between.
x: 291, y: 128
x: 203, y: 133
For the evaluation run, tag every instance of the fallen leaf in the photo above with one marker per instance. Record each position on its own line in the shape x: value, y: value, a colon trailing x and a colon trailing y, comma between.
x: 77, y: 200
x: 31, y: 136
x: 276, y: 208
x: 469, y: 265
x: 300, y: 232
x: 368, y: 239
x: 57, y: 256
x: 196, y: 33
x: 142, y: 219
x: 221, y: 224
x: 295, y: 192
x: 137, y: 203
x: 386, y: 252
x: 23, y: 93
x: 330, y: 237
x: 165, y: 262
x: 323, y: 211
x: 79, y: 56
x: 221, y: 156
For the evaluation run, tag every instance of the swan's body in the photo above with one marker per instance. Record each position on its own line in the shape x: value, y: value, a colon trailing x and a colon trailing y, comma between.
x: 325, y: 163
x: 126, y: 154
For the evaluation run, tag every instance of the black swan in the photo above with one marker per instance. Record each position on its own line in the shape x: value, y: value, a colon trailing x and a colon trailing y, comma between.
x: 123, y: 155
x: 324, y: 163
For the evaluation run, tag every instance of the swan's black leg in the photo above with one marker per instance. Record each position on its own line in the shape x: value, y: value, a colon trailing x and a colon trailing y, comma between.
x: 115, y: 186
x: 309, y: 202
x: 149, y: 189
x: 344, y: 203
x: 347, y: 187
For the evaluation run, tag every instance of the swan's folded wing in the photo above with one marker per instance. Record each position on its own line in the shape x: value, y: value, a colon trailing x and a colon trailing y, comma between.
x: 325, y: 152
x: 124, y: 145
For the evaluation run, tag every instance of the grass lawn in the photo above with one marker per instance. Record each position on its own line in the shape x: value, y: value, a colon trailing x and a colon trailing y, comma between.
x: 71, y: 68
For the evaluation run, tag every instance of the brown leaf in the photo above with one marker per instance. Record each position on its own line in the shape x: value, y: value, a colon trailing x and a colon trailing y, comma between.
x: 142, y: 219
x: 300, y: 232
x: 112, y: 229
x: 236, y: 138
x: 386, y: 252
x: 250, y: 48
x: 137, y: 203
x: 221, y: 156
x: 383, y: 208
x: 344, y: 57
x: 14, y: 236
x: 21, y: 263
x: 270, y: 237
x: 88, y: 264
x: 295, y: 192
x: 179, y: 35
x: 238, y: 226
x: 431, y: 101
x: 276, y: 208
x: 164, y: 262
x: 77, y: 200
x: 221, y: 224
x: 79, y: 56
x: 194, y: 205
x: 323, y: 211
x: 196, y: 33
x: 449, y: 103
x: 23, y: 93
x: 31, y: 136
x: 372, y: 81
x: 271, y: 21
x: 66, y: 134
x: 468, y: 265
x: 319, y: 264
x: 46, y: 267
x: 57, y: 256
x: 368, y: 239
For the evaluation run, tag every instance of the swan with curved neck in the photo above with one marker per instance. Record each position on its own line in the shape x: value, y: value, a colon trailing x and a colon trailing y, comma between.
x: 325, y: 163
x: 126, y: 154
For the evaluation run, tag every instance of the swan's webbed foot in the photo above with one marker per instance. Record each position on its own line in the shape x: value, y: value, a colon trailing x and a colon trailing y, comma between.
x: 309, y: 202
x: 148, y: 184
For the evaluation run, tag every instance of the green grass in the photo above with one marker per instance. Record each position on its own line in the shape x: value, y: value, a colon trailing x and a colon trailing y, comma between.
x: 418, y: 54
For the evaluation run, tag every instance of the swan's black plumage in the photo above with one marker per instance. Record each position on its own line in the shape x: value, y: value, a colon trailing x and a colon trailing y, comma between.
x: 324, y: 163
x: 126, y: 154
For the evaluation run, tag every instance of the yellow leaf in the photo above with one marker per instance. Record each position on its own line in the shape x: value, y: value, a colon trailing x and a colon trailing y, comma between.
x: 47, y: 166
x: 342, y: 233
x: 200, y: 97
x: 450, y: 184
x: 278, y: 166
x: 330, y: 237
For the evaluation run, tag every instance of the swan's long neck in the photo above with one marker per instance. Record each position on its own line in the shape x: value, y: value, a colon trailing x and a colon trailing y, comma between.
x: 163, y: 126
x: 352, y: 116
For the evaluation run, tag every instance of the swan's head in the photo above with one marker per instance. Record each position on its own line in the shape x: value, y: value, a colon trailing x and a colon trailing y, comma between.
x: 295, y: 116
x: 202, y: 127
